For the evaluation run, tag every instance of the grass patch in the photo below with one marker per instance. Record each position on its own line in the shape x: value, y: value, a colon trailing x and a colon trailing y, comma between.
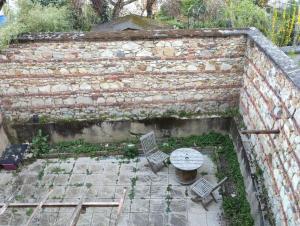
x: 29, y: 211
x: 19, y: 197
x: 236, y: 207
x: 168, y: 198
x: 88, y: 185
x: 77, y: 184
x: 132, y: 190
x: 57, y: 170
x: 80, y: 147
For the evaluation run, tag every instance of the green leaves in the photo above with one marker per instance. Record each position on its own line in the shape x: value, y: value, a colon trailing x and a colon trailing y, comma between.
x: 40, y: 144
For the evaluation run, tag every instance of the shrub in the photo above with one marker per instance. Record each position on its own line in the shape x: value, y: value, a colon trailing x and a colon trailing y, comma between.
x: 51, y: 2
x: 283, y: 23
x: 40, y: 144
x: 130, y: 151
x: 244, y: 13
x: 170, y: 9
x: 46, y: 16
x: 187, y: 5
x: 38, y: 18
x: 8, y: 32
x: 85, y: 19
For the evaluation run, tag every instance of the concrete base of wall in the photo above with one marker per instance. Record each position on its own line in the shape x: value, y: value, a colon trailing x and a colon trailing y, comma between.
x: 243, y: 149
x: 114, y: 131
x: 3, y: 138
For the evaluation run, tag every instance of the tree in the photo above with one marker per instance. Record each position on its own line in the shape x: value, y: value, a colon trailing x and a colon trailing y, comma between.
x: 118, y: 6
x: 101, y: 8
x: 171, y: 8
x: 2, y: 3
x: 149, y: 7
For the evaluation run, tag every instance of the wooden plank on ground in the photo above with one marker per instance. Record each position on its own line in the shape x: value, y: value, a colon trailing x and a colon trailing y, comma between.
x: 121, y: 203
x: 5, y: 206
x: 37, y: 209
x: 60, y: 204
x: 260, y: 131
x: 76, y: 214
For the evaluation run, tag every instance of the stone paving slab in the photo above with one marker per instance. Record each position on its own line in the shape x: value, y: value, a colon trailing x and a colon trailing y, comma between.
x: 152, y: 199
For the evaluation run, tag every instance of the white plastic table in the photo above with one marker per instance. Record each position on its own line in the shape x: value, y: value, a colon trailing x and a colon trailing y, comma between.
x: 186, y: 162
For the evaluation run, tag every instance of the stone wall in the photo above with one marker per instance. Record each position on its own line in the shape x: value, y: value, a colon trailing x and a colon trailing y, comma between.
x: 145, y: 74
x: 120, y: 78
x: 270, y: 100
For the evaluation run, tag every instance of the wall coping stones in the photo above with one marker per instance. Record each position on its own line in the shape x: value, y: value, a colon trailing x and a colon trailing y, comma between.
x: 285, y: 63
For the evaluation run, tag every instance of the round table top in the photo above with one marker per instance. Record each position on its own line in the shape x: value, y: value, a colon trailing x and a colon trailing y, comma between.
x: 186, y: 159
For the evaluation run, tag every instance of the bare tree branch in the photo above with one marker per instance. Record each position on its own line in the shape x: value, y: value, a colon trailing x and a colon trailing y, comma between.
x: 149, y: 7
x: 119, y: 4
x: 100, y: 6
x: 2, y: 3
x: 128, y: 2
x: 112, y: 2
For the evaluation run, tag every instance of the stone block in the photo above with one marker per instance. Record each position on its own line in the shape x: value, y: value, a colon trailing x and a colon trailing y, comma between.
x: 84, y: 100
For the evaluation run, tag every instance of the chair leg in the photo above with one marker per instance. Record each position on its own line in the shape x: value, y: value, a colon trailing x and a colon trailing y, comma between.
x: 151, y: 166
x: 212, y: 195
x: 197, y: 200
x: 204, y: 206
x: 165, y: 163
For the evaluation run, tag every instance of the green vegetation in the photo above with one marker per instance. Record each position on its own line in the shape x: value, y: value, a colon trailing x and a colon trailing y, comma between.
x: 57, y: 170
x: 130, y: 151
x: 77, y: 184
x: 40, y: 144
x: 132, y: 190
x: 46, y: 16
x: 29, y: 211
x: 168, y: 198
x: 88, y: 172
x: 41, y: 173
x: 236, y: 207
x: 244, y: 13
x: 278, y: 24
x: 19, y: 197
x: 88, y: 185
x: 80, y: 146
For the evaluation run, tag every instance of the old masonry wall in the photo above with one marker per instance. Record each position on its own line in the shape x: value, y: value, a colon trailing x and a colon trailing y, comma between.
x: 120, y: 78
x: 146, y: 74
x: 270, y: 99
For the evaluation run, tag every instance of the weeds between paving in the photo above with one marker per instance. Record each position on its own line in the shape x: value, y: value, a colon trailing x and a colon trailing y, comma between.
x: 235, y: 204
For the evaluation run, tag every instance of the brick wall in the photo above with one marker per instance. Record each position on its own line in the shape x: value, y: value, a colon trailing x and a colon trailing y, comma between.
x: 119, y: 79
x: 270, y: 100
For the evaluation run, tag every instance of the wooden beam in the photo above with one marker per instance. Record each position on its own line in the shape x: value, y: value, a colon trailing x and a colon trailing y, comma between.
x: 5, y: 206
x: 76, y: 214
x: 121, y: 203
x: 260, y: 131
x: 37, y: 209
x: 59, y: 204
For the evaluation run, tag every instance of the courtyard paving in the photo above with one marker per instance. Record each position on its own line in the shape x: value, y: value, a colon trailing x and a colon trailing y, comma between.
x: 156, y: 200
